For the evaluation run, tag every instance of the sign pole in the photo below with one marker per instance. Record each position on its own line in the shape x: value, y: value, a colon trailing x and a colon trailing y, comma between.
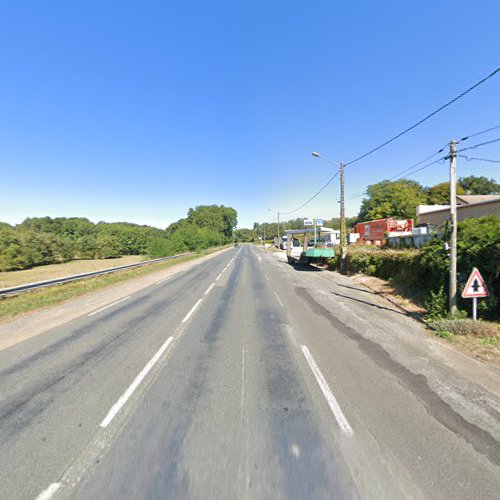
x: 474, y: 288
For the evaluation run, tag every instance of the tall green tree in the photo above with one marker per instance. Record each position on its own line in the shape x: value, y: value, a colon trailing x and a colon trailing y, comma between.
x: 244, y: 235
x: 397, y: 199
x: 479, y: 185
x: 217, y: 218
x: 440, y: 193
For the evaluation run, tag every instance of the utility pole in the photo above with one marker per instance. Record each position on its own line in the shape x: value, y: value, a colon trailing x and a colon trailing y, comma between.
x: 343, y: 229
x: 453, y: 237
x: 278, y: 227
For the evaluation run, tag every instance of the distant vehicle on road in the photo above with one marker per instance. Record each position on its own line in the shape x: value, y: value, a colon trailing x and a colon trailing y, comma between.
x: 282, y: 242
x: 236, y: 245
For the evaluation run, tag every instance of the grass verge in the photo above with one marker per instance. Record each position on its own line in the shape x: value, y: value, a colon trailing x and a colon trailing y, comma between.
x: 479, y: 338
x: 30, y: 301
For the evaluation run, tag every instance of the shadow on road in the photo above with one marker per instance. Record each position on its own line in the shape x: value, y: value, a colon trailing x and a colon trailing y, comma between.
x: 373, y: 305
x: 305, y: 268
x: 358, y: 289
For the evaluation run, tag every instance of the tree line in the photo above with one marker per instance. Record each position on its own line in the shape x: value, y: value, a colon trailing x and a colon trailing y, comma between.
x: 269, y: 230
x: 45, y: 240
x: 399, y: 199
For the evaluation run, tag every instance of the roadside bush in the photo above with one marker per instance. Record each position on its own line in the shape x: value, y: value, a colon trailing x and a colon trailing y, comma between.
x: 86, y: 247
x: 108, y: 246
x: 11, y: 255
x: 466, y: 327
x: 426, y: 271
x: 385, y: 264
x: 46, y: 240
x: 163, y: 247
x: 437, y: 304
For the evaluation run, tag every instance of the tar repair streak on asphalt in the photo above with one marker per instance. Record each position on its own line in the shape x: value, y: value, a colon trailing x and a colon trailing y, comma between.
x: 482, y: 441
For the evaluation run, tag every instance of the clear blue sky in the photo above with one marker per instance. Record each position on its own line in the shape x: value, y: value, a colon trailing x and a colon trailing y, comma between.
x: 136, y: 111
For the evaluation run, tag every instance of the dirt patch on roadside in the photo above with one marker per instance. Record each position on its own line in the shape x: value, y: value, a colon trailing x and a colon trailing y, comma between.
x: 476, y: 347
x: 391, y: 292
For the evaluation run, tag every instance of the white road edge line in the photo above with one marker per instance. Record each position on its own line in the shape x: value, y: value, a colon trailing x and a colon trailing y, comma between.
x: 325, y: 389
x: 162, y: 280
x: 209, y: 288
x: 109, y: 305
x: 49, y: 492
x: 218, y: 276
x: 278, y: 299
x: 193, y: 309
x: 266, y: 276
x: 133, y: 386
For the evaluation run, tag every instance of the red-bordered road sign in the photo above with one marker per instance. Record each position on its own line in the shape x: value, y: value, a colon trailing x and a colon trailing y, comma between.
x: 475, y: 287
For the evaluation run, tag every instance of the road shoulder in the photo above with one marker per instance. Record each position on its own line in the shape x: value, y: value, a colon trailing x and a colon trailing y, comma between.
x: 470, y: 387
x: 34, y: 323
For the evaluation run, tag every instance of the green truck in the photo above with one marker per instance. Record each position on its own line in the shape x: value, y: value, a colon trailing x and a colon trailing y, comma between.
x: 315, y: 247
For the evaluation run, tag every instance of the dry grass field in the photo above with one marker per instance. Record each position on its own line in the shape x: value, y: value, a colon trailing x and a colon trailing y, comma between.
x: 41, y: 273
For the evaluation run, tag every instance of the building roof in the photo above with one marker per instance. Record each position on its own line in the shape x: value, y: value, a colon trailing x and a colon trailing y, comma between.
x: 485, y: 199
x: 470, y: 199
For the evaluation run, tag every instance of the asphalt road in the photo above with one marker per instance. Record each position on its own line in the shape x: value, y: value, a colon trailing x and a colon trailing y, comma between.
x: 232, y: 380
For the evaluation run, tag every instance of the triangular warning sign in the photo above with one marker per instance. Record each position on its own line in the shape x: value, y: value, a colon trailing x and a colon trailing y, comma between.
x: 475, y: 287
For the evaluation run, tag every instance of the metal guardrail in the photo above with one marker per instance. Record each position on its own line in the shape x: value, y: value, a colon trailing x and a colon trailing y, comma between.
x: 67, y: 279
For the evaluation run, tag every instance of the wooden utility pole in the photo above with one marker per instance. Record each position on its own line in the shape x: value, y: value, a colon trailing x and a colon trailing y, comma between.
x: 278, y: 227
x: 453, y: 237
x: 343, y: 229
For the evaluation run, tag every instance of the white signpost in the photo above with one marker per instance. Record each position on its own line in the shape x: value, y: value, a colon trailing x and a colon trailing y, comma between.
x: 474, y: 289
x: 315, y: 223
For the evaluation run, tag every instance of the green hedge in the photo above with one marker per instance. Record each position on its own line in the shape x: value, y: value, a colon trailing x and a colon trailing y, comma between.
x: 427, y: 269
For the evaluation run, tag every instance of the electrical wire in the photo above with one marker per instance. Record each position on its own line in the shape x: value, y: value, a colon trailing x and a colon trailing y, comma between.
x: 478, y: 133
x: 478, y: 145
x: 468, y: 158
x: 415, y: 125
x: 409, y: 173
x: 312, y: 197
x: 399, y: 174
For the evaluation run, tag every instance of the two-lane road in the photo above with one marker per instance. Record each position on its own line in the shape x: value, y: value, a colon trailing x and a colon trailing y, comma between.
x: 228, y: 380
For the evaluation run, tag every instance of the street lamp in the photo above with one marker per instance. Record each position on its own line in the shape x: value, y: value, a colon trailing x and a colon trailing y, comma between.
x: 329, y: 160
x: 343, y: 229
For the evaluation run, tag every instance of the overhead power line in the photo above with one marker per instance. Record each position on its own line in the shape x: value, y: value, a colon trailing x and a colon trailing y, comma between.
x: 406, y: 171
x: 468, y: 158
x: 478, y: 133
x: 478, y: 145
x: 312, y: 197
x: 397, y: 136
x: 407, y: 174
x: 430, y: 115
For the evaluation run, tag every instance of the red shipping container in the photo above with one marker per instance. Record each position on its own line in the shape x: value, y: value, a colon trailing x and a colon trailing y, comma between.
x: 375, y: 230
